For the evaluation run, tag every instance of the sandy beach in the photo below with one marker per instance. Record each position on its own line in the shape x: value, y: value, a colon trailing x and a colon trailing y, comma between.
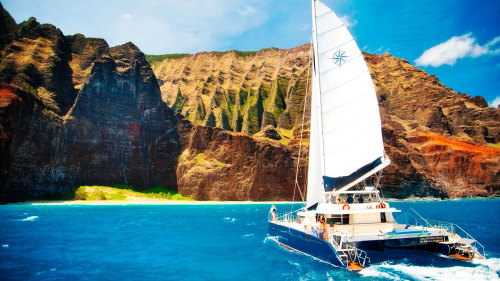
x: 147, y: 202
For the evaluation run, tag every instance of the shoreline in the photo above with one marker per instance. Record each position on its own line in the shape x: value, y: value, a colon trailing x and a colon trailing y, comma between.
x: 186, y: 202
x: 146, y: 202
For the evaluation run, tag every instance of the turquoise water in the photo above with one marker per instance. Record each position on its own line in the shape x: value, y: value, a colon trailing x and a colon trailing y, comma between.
x: 207, y: 242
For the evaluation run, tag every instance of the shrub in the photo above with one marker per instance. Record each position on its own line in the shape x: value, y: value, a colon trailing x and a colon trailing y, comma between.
x: 81, y: 194
x: 99, y: 195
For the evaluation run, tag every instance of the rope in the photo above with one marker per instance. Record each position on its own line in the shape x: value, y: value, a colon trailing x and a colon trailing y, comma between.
x: 297, y: 186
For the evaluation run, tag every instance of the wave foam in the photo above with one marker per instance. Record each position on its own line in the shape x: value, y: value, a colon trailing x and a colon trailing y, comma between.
x: 5, y: 245
x: 271, y: 238
x: 31, y: 218
x: 485, y: 270
x: 230, y: 219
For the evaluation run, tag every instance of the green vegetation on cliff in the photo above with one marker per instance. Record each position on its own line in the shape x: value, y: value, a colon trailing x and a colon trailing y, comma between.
x: 211, y: 120
x: 151, y: 59
x: 124, y: 193
x: 179, y: 102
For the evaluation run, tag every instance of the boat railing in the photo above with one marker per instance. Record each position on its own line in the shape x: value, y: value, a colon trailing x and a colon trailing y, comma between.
x: 473, y: 242
x: 456, y: 229
x: 285, y: 217
x: 452, y: 228
x: 357, y: 255
x: 342, y: 244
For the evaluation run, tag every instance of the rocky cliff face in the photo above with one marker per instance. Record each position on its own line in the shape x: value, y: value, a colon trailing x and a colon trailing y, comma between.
x: 220, y: 165
x: 74, y: 111
x: 237, y: 91
x: 437, y: 139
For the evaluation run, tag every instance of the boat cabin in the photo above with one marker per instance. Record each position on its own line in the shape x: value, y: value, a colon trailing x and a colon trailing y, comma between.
x: 334, y: 213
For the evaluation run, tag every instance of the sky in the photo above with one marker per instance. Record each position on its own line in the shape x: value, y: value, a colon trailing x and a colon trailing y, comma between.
x: 457, y: 40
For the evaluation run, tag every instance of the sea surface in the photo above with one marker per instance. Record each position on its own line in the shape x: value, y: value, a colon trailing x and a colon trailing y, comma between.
x: 209, y: 242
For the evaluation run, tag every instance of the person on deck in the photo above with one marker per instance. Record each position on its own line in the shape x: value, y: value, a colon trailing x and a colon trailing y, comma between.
x: 350, y: 200
x: 273, y: 213
x: 360, y: 199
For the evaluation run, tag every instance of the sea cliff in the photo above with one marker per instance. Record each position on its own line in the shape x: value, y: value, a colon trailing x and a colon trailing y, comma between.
x: 213, y: 126
x: 442, y: 143
x: 75, y: 111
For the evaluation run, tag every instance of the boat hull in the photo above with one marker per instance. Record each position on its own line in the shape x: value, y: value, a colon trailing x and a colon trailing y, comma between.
x: 298, y: 241
x: 415, y: 243
x: 378, y: 250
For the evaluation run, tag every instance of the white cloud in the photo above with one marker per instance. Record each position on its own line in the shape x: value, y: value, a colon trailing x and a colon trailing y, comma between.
x: 348, y: 21
x: 495, y: 102
x: 455, y: 48
x: 126, y: 17
x: 165, y: 26
x: 247, y: 10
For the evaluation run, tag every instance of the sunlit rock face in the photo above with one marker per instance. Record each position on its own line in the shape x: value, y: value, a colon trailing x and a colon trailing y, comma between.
x: 414, y: 107
x: 74, y: 111
x: 221, y: 165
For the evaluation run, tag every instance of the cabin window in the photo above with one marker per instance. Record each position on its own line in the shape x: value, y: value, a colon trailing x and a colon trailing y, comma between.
x: 338, y: 219
x: 382, y: 217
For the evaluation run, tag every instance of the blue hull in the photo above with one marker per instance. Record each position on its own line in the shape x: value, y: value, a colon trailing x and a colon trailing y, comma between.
x: 378, y: 251
x: 304, y: 243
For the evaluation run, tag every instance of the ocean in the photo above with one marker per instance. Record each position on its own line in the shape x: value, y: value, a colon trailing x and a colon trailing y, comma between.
x: 209, y: 242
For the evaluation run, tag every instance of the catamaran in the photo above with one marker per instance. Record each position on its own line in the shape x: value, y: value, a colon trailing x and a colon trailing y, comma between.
x: 344, y: 219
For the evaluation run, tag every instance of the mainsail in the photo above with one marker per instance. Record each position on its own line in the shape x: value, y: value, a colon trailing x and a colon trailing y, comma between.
x: 345, y: 137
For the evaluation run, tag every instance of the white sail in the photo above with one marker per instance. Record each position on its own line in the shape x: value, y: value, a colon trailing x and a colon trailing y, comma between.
x: 347, y: 127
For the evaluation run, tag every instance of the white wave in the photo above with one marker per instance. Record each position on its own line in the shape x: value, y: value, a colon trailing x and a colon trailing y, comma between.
x: 230, y: 219
x: 248, y: 235
x: 5, y: 245
x: 31, y: 218
x: 296, y: 264
x: 493, y: 263
x: 485, y: 270
x: 271, y: 238
x: 374, y: 271
x: 41, y: 272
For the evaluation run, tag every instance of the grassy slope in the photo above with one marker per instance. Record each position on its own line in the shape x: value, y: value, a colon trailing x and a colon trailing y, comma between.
x: 123, y: 192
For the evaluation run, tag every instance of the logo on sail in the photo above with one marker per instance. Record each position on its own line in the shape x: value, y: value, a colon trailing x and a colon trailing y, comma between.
x: 339, y: 57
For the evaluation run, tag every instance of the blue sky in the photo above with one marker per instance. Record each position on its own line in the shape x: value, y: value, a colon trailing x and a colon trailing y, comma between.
x: 458, y: 40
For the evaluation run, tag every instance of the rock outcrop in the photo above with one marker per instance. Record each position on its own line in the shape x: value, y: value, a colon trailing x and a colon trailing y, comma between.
x: 74, y: 111
x: 412, y: 103
x: 220, y: 165
x: 237, y: 91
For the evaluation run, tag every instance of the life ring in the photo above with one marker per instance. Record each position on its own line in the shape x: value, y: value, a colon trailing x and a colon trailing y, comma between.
x: 346, y: 205
x: 381, y: 206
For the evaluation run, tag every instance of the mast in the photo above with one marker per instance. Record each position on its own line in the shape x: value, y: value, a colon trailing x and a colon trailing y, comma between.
x: 316, y: 160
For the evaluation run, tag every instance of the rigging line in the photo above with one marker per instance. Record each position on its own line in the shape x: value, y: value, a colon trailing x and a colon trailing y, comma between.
x: 378, y: 185
x: 302, y: 129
